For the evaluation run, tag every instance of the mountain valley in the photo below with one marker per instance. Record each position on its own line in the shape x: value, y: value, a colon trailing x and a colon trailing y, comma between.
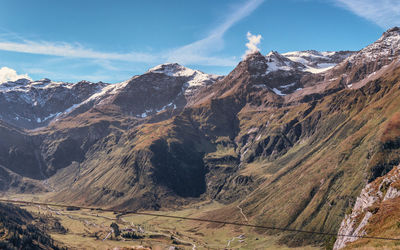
x: 292, y: 140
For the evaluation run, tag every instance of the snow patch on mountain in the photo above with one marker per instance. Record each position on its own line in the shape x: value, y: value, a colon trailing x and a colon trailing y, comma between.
x: 196, y: 78
x: 276, y: 61
x: 45, y: 100
x: 387, y: 46
x: 307, y: 61
x: 108, y: 90
x: 317, y: 62
x: 278, y: 92
x: 319, y: 70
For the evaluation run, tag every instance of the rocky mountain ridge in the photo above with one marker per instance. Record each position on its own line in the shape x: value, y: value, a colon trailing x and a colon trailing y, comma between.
x: 36, y: 103
x: 32, y: 104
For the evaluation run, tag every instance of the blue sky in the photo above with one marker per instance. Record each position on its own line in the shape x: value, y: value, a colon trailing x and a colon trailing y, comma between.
x: 114, y: 40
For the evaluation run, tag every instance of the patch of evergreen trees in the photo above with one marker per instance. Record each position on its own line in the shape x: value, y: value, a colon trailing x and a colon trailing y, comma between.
x: 19, y: 233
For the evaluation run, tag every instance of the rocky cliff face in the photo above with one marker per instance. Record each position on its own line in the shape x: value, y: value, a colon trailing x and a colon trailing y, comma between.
x: 374, y: 197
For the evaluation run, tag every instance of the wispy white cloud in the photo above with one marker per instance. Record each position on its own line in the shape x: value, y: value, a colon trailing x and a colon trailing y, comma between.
x: 385, y: 13
x: 72, y: 51
x: 199, y: 51
x: 7, y: 74
x: 190, y: 54
x: 252, y: 44
x: 203, y: 52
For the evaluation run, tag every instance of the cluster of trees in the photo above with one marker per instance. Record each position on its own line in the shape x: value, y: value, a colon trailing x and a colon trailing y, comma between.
x: 132, y: 235
x: 115, y: 228
x: 126, y: 235
x: 72, y: 208
x: 17, y: 231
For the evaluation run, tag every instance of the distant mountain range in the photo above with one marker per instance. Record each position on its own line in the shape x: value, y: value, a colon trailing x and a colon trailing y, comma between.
x: 32, y: 104
x: 292, y: 138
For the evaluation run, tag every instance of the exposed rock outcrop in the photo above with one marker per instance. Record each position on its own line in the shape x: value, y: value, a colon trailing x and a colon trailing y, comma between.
x: 367, y: 204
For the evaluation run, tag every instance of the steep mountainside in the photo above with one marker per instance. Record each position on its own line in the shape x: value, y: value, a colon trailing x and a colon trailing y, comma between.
x: 285, y: 138
x: 18, y: 152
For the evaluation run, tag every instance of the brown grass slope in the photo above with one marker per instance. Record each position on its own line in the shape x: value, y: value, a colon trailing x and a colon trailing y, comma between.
x: 343, y: 143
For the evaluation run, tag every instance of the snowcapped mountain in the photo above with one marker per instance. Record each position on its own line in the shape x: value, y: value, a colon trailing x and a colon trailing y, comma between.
x: 273, y: 72
x: 370, y: 62
x: 166, y: 87
x: 308, y: 61
x: 276, y: 61
x: 386, y: 48
x: 318, y: 62
x: 31, y: 104
x: 284, y: 74
x: 195, y: 78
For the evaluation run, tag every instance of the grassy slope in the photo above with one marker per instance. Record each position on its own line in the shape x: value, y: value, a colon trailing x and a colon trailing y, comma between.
x: 311, y: 186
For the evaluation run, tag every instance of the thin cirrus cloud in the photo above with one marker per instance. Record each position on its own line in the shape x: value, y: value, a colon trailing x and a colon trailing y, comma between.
x: 198, y: 52
x: 385, y: 13
x: 71, y: 51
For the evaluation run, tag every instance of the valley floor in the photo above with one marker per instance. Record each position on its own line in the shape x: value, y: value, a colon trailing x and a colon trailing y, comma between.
x: 90, y: 229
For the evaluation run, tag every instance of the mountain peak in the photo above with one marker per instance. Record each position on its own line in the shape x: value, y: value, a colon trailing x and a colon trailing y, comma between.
x: 386, y: 48
x: 44, y: 80
x: 394, y: 30
x: 171, y: 69
x: 391, y: 35
x: 195, y: 77
x: 256, y: 55
x: 273, y: 53
x: 258, y: 64
x: 277, y: 62
x: 18, y: 82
